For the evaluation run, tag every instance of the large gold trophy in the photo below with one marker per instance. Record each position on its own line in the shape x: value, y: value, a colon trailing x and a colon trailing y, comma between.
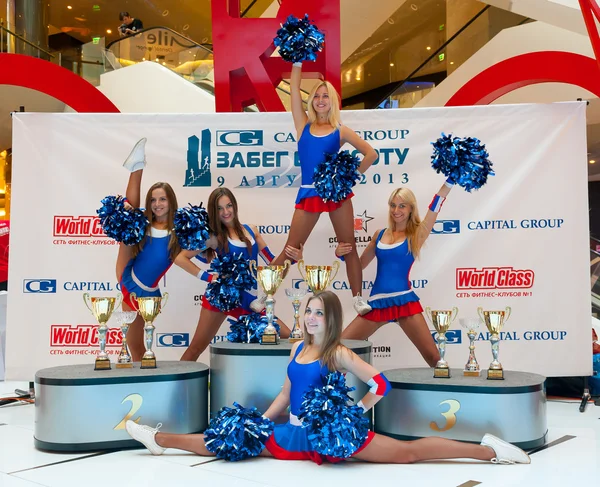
x: 494, y: 321
x: 102, y: 308
x: 149, y: 309
x: 269, y: 278
x: 318, y: 277
x: 441, y: 319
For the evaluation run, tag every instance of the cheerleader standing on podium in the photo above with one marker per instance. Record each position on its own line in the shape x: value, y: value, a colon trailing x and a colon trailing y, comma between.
x: 140, y: 267
x: 320, y: 132
x: 229, y: 237
x: 396, y: 248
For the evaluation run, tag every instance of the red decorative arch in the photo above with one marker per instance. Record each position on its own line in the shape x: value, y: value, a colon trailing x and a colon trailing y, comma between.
x: 53, y: 80
x: 528, y: 69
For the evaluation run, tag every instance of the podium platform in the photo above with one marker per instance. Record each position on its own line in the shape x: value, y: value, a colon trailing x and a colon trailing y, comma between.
x: 253, y: 374
x: 464, y: 408
x: 78, y: 409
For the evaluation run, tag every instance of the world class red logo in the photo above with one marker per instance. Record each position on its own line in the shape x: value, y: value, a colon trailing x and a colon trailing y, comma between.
x: 77, y: 226
x: 494, y: 278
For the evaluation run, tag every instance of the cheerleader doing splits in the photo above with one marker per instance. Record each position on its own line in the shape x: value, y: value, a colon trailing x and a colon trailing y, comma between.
x: 229, y: 237
x: 396, y: 249
x: 140, y: 267
x: 318, y: 133
x: 319, y: 353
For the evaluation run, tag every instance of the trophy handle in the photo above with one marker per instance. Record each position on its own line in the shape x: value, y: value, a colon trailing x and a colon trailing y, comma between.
x: 133, y: 298
x: 480, y: 313
x: 119, y: 300
x: 300, y: 268
x: 253, y: 268
x: 428, y: 313
x: 86, y: 298
x: 286, y: 267
x: 336, y: 267
x: 508, y: 311
x: 164, y: 299
x: 454, y: 313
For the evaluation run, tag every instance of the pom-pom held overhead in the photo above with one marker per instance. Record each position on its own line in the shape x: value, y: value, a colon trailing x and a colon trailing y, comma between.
x: 237, y: 433
x: 127, y: 226
x: 249, y: 328
x: 191, y: 227
x: 335, y: 428
x: 335, y: 177
x: 463, y: 160
x: 299, y: 40
x: 234, y: 276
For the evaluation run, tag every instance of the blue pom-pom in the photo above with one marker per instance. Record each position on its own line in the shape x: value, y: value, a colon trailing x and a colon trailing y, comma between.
x: 191, y: 227
x: 335, y: 177
x: 234, y: 276
x: 463, y: 160
x: 237, y: 433
x: 335, y: 427
x: 127, y: 226
x: 249, y: 328
x: 298, y: 40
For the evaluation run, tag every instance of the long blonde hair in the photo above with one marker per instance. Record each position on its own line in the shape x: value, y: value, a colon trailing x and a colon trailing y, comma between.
x: 333, y: 117
x: 414, y: 221
x: 332, y: 308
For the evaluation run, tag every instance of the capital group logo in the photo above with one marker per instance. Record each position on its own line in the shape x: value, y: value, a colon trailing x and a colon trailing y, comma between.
x: 446, y: 227
x: 453, y: 337
x: 79, y: 230
x: 239, y: 137
x: 172, y: 339
x: 39, y: 286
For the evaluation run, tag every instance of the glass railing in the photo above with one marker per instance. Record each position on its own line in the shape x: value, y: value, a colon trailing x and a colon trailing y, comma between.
x: 192, y: 61
x: 12, y: 42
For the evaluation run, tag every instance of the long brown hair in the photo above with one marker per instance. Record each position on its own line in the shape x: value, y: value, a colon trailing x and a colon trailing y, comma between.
x: 218, y: 228
x: 414, y: 221
x: 174, y: 247
x: 332, y: 308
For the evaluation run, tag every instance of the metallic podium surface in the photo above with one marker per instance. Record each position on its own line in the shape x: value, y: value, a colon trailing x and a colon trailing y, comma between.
x: 464, y: 408
x: 252, y: 374
x: 79, y: 409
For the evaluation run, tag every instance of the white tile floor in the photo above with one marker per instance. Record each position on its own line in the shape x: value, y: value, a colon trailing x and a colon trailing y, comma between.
x: 21, y: 465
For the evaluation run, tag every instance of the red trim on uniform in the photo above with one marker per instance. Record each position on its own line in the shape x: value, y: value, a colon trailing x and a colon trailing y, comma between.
x: 394, y: 312
x: 127, y: 298
x: 236, y: 313
x: 161, y: 276
x: 315, y: 204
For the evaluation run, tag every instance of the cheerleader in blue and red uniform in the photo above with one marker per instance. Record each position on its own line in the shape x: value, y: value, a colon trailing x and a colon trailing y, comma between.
x: 320, y: 132
x: 229, y: 236
x: 320, y: 353
x: 396, y: 249
x: 141, y: 267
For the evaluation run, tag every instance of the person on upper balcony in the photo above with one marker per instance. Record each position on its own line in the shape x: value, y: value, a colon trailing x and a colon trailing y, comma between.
x: 129, y: 25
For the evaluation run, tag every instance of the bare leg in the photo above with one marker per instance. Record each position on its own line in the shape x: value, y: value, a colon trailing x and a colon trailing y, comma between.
x: 302, y: 225
x: 342, y: 220
x: 123, y: 257
x: 360, y: 328
x: 384, y: 449
x: 208, y: 326
x: 417, y: 331
x: 284, y: 331
x: 191, y: 443
x: 135, y: 336
x: 134, y: 189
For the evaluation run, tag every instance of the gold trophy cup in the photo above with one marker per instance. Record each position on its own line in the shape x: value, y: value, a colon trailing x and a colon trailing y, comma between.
x: 296, y: 296
x: 124, y: 319
x: 494, y: 321
x: 149, y: 309
x: 441, y: 320
x: 102, y: 308
x: 472, y: 367
x: 269, y: 278
x: 318, y: 277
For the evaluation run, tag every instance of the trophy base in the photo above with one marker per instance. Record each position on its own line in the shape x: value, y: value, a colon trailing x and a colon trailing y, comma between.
x: 125, y: 365
x: 293, y: 340
x: 266, y: 339
x: 495, y: 374
x: 441, y: 373
x: 102, y: 364
x: 148, y: 363
x: 472, y: 373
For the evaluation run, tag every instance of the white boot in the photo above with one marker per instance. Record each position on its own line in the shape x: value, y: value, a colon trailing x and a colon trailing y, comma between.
x: 506, y: 454
x: 145, y: 435
x: 136, y: 161
x: 360, y: 305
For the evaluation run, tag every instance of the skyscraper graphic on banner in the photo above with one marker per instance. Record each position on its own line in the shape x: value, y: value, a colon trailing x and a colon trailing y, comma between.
x: 198, y: 160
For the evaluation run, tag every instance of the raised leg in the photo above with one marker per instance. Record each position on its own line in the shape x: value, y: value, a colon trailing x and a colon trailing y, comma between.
x: 361, y: 329
x: 208, y: 326
x: 135, y: 336
x: 302, y: 225
x: 417, y: 331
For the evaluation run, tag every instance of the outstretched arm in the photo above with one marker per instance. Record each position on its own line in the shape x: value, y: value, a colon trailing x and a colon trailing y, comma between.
x: 300, y: 117
x: 432, y: 213
x: 282, y: 401
x: 184, y: 260
x: 263, y: 249
x: 367, y: 255
x: 369, y: 154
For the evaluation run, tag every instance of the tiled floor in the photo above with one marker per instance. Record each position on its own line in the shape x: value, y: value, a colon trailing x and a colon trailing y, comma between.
x: 21, y: 465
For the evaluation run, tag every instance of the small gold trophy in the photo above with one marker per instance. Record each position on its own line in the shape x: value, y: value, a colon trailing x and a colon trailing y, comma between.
x: 441, y: 319
x: 102, y: 308
x: 124, y: 319
x: 494, y: 321
x: 269, y: 277
x: 296, y: 296
x: 472, y: 367
x: 318, y: 277
x: 149, y: 309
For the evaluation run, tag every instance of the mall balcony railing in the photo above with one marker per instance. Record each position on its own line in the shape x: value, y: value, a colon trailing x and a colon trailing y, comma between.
x: 192, y: 61
x: 12, y: 42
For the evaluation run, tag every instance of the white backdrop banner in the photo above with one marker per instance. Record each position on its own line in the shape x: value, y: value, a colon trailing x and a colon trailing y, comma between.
x: 521, y: 241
